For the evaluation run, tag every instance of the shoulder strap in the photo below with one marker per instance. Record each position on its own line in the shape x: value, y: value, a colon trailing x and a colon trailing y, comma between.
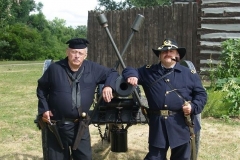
x: 174, y: 90
x: 160, y: 77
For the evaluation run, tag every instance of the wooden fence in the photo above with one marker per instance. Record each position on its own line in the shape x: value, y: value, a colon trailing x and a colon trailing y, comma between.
x: 178, y: 21
x: 200, y: 27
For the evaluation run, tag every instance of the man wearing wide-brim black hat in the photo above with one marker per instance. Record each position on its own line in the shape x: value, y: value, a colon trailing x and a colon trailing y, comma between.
x: 170, y: 46
x: 172, y: 91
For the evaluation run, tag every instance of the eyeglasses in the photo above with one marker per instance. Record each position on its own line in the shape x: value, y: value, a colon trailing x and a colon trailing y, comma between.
x: 74, y: 52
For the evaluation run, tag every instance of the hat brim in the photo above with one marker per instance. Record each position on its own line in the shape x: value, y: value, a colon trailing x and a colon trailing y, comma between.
x: 181, y: 51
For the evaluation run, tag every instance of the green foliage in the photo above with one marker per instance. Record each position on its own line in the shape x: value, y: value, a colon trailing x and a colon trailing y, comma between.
x: 20, y: 10
x: 149, y: 3
x: 231, y: 86
x: 226, y: 76
x: 110, y: 5
x: 22, y: 43
x: 15, y: 11
x: 216, y: 106
x: 37, y: 21
x: 230, y: 61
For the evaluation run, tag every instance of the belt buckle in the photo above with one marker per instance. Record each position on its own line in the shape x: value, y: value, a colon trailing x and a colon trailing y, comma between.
x: 164, y: 112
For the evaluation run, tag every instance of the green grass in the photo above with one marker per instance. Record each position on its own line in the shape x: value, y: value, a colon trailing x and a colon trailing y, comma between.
x: 18, y: 106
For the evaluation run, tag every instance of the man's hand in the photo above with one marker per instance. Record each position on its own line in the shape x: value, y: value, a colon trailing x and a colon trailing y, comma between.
x: 133, y: 81
x: 47, y: 115
x: 187, y: 108
x: 107, y: 94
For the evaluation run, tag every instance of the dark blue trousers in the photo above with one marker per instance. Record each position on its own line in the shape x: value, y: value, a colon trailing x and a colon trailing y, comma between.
x: 68, y: 133
x: 179, y: 153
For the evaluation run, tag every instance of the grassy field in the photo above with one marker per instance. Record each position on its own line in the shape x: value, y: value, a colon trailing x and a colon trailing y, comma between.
x: 20, y: 139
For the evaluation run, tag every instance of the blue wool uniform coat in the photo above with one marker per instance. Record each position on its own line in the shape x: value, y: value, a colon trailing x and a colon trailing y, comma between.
x: 55, y: 93
x: 171, y: 131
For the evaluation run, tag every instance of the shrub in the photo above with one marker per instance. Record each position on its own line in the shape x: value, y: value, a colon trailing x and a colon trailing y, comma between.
x: 216, y: 106
x: 227, y: 75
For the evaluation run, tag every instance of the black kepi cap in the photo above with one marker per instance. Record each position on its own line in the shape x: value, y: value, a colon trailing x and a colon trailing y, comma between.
x: 77, y: 43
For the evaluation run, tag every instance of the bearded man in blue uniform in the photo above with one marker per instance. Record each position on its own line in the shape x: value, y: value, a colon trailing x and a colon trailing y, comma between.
x: 172, y: 91
x: 65, y: 93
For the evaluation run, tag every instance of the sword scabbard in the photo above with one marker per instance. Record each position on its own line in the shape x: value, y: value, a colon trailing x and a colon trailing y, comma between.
x: 83, y: 124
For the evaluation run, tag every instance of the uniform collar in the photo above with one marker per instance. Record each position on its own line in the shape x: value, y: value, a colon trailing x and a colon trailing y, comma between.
x: 177, y: 67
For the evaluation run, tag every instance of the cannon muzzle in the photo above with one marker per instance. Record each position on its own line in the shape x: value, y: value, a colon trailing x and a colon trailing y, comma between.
x: 137, y: 23
x: 123, y: 88
x: 102, y: 20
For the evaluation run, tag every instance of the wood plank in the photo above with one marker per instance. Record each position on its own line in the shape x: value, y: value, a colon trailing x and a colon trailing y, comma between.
x: 150, y: 33
x: 195, y: 49
x: 146, y: 40
x: 97, y: 31
x: 123, y: 36
x: 172, y: 28
x: 131, y: 59
x: 165, y: 22
x: 109, y: 49
x: 176, y: 21
x: 224, y: 14
x: 197, y: 63
x: 185, y: 32
x: 128, y: 55
x: 157, y: 21
x: 90, y: 28
x: 209, y: 56
x: 205, y: 47
x: 160, y: 27
x: 214, y: 39
x: 180, y: 25
x: 111, y: 58
x: 220, y: 21
x: 220, y: 4
x: 202, y: 31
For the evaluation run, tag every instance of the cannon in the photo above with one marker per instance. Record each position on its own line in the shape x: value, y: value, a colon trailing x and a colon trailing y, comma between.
x: 125, y: 108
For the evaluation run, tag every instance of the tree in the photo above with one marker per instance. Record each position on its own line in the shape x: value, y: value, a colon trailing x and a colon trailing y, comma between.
x: 23, y: 43
x: 5, y: 14
x: 81, y: 31
x: 110, y: 5
x: 21, y: 10
x: 37, y: 21
x: 149, y: 3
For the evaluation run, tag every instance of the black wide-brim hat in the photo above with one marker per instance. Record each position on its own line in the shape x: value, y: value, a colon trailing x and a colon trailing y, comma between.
x: 169, y: 44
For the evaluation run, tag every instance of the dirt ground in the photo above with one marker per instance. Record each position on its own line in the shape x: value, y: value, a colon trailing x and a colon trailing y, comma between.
x: 218, y: 142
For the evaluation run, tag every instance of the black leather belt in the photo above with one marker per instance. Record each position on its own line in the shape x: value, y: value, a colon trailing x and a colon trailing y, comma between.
x: 68, y: 121
x: 161, y: 112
